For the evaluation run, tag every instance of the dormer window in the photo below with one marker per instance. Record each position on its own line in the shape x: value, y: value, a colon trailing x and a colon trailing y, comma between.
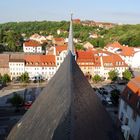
x: 129, y: 95
x: 119, y: 63
x: 36, y: 63
x: 138, y: 104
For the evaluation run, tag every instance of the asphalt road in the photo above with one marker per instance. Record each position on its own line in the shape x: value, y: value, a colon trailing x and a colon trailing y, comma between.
x: 8, y: 118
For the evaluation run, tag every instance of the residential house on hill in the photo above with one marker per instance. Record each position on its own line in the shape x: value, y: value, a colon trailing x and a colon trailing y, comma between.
x: 58, y: 41
x: 32, y: 46
x: 39, y: 38
x: 125, y: 52
x: 88, y: 45
x: 76, y: 21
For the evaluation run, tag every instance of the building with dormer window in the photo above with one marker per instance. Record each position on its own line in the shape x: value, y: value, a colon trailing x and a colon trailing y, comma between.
x: 129, y: 110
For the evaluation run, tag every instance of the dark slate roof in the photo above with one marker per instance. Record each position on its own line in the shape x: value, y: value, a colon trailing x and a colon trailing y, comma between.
x: 67, y: 109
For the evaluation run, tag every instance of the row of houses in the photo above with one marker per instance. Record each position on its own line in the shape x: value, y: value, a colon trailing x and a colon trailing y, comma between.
x: 129, y: 54
x: 91, y: 62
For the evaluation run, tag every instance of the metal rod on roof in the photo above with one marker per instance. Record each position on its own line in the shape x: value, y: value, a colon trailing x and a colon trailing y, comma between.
x: 70, y: 40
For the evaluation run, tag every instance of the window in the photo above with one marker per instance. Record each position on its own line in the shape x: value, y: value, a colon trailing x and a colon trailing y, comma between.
x: 126, y: 121
x: 121, y: 117
x: 129, y: 94
x: 134, y: 115
x: 116, y: 63
x: 138, y: 104
x: 125, y: 105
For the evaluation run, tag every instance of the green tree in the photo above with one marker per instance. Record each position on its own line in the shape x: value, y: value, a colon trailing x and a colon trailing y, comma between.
x: 79, y: 47
x: 115, y: 96
x: 1, y: 35
x: 6, y: 78
x: 97, y: 78
x: 24, y: 77
x: 16, y: 100
x: 113, y: 75
x: 101, y: 42
x: 127, y: 75
x: 13, y: 41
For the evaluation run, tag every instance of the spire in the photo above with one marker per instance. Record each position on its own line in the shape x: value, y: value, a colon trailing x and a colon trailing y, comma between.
x: 70, y: 42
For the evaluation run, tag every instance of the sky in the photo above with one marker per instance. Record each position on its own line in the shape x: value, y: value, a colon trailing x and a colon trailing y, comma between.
x: 117, y: 11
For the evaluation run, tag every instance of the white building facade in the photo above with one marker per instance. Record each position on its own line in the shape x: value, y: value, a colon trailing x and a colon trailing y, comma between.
x: 131, y: 119
x: 129, y: 110
x: 32, y: 47
x: 16, y: 68
x: 40, y: 66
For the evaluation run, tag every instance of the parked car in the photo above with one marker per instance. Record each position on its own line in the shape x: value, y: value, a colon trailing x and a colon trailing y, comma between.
x: 27, y: 105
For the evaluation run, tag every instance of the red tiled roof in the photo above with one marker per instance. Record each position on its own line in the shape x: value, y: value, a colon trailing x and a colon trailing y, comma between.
x: 85, y: 56
x: 42, y: 60
x: 115, y: 45
x: 31, y: 43
x: 103, y: 52
x: 59, y: 39
x: 59, y: 49
x: 113, y: 59
x: 76, y: 20
x: 125, y: 50
x: 133, y: 88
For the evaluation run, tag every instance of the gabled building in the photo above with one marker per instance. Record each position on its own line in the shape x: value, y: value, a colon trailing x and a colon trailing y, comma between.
x: 86, y: 61
x: 125, y: 52
x: 106, y: 61
x: 88, y: 45
x: 39, y: 38
x: 60, y: 52
x: 129, y: 110
x: 4, y: 64
x: 58, y: 41
x: 40, y: 66
x: 76, y: 21
x: 32, y: 46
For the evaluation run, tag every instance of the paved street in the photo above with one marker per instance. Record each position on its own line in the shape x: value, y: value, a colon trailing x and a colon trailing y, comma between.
x: 8, y: 116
